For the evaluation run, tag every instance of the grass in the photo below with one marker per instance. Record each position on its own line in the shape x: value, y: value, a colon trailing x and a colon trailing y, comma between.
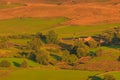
x: 19, y: 41
x: 5, y: 6
x: 50, y: 75
x: 34, y: 25
x: 17, y: 61
x: 28, y: 25
x: 72, y: 30
x: 108, y: 54
x: 116, y: 74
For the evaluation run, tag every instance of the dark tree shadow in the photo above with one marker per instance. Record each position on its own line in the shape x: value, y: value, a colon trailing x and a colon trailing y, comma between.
x: 56, y: 57
x: 66, y: 46
x: 16, y: 64
x: 94, y: 78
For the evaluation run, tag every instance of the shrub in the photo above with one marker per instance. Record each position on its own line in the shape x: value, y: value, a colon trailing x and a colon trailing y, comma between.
x: 35, y: 44
x: 65, y: 56
x: 94, y: 78
x: 5, y: 63
x: 82, y: 49
x: 42, y: 57
x: 24, y: 64
x: 52, y: 37
x: 73, y: 59
x: 92, y: 43
x: 118, y: 58
x: 109, y: 77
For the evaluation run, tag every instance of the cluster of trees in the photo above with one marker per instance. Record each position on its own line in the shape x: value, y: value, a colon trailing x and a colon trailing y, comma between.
x: 34, y: 48
x: 82, y: 49
x: 111, y: 36
x: 7, y: 64
x: 36, y: 52
x: 106, y: 77
x: 69, y: 58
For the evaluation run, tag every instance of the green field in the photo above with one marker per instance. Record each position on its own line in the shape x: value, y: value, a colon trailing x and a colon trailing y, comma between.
x: 111, y: 53
x: 28, y: 25
x: 50, y: 75
x: 116, y: 74
x: 19, y: 41
x: 34, y: 25
x: 69, y: 31
x: 17, y: 61
x: 35, y: 74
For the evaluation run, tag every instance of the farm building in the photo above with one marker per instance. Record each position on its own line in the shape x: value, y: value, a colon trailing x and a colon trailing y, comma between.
x: 86, y: 38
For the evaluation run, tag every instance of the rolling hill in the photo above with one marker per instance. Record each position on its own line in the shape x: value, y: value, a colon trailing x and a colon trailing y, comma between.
x: 78, y: 14
x: 57, y: 1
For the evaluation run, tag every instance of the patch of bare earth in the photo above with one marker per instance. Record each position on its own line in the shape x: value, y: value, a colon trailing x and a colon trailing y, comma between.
x: 4, y: 73
x: 80, y: 14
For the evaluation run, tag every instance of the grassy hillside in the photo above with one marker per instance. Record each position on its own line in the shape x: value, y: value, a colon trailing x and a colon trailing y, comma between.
x: 55, y: 1
x: 49, y: 75
x: 55, y: 74
x: 17, y: 61
x: 19, y: 41
x: 34, y: 25
x: 109, y: 54
x: 116, y: 74
x: 28, y: 25
x: 68, y: 31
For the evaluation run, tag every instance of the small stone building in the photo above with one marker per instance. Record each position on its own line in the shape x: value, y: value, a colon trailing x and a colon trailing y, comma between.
x: 86, y: 38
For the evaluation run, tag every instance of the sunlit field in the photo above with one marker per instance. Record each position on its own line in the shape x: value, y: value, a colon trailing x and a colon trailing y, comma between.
x: 50, y: 75
x: 35, y: 25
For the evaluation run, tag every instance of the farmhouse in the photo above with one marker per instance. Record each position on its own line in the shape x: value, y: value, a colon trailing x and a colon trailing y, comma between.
x: 86, y: 38
x: 82, y: 38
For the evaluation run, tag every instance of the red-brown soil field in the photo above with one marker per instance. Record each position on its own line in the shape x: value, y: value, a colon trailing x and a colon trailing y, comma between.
x: 80, y: 13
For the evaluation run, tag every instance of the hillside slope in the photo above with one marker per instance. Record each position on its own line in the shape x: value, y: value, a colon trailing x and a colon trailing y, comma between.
x: 55, y: 1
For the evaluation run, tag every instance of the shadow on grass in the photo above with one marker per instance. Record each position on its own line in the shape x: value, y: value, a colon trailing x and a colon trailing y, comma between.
x: 114, y: 46
x: 16, y: 64
x: 94, y: 78
x: 56, y: 57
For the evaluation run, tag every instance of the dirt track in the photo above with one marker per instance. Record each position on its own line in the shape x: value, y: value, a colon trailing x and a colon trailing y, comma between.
x: 81, y: 14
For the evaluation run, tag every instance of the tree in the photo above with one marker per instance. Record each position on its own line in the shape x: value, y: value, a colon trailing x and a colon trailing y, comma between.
x: 41, y: 36
x: 4, y: 43
x: 108, y: 36
x: 24, y: 64
x: 35, y: 44
x: 118, y: 58
x: 32, y: 56
x: 117, y: 32
x: 65, y: 56
x: 5, y: 63
x: 73, y: 59
x: 109, y: 77
x: 52, y: 37
x: 81, y: 49
x: 42, y: 57
x: 81, y: 52
x: 99, y: 52
x: 92, y: 43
